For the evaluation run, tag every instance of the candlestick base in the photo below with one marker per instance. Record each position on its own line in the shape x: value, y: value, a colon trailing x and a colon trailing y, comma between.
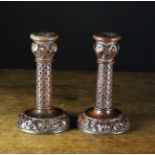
x: 47, y: 121
x: 97, y: 121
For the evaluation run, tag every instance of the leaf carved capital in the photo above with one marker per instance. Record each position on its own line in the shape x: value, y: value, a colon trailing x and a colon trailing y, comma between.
x: 106, y: 52
x: 44, y: 51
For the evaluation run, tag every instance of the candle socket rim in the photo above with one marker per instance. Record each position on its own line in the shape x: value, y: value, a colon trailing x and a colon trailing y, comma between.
x: 104, y: 37
x: 44, y: 36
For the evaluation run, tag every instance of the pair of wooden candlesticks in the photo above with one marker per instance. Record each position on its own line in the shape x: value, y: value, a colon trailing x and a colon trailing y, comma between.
x: 100, y: 119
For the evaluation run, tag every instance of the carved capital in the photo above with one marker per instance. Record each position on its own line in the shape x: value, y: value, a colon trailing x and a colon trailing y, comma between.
x: 44, y: 51
x: 106, y: 52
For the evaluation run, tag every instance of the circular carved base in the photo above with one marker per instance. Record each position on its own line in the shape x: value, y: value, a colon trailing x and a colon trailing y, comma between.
x: 43, y: 121
x: 103, y: 122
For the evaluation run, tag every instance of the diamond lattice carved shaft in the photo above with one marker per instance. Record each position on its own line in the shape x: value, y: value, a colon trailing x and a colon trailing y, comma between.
x: 44, y: 86
x: 104, y: 86
x: 44, y: 53
x: 105, y: 56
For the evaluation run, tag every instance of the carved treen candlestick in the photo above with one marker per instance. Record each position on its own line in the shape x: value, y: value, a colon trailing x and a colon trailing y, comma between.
x: 103, y: 118
x: 44, y: 118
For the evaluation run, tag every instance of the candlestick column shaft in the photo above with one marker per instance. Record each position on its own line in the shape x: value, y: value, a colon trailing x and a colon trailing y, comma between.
x: 44, y: 85
x: 104, y: 85
x: 44, y: 53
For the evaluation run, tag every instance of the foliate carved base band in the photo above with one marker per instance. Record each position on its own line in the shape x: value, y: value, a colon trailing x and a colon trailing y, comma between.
x: 43, y: 125
x: 116, y: 125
